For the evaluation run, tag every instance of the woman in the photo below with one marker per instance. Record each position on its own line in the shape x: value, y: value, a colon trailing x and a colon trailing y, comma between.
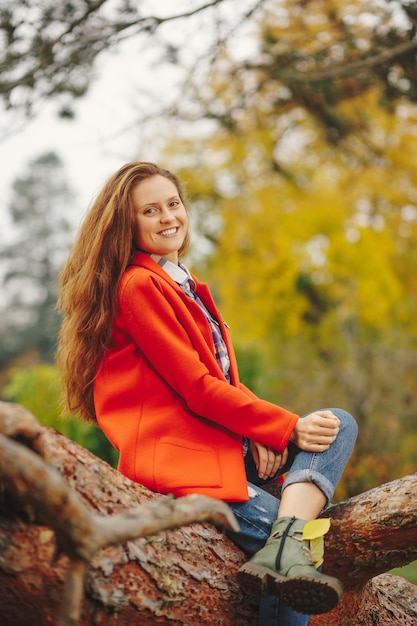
x: 144, y: 351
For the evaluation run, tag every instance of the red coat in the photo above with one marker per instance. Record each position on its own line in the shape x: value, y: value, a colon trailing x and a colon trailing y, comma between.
x: 164, y: 403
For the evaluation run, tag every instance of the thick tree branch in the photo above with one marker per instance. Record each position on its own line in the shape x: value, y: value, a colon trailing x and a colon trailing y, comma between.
x: 187, y: 575
x: 17, y: 423
x: 80, y: 533
x: 373, y: 532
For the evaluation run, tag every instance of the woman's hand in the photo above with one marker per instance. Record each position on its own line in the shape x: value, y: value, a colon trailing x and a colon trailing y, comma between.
x: 316, y: 432
x: 267, y: 461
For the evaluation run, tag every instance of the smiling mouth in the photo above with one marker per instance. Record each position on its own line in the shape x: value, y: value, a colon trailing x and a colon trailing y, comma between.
x: 169, y: 232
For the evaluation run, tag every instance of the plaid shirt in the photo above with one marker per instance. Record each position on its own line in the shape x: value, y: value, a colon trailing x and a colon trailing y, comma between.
x: 182, y: 276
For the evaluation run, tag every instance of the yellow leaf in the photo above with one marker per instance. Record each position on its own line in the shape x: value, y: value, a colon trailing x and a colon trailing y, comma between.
x: 315, y: 529
x: 314, y: 532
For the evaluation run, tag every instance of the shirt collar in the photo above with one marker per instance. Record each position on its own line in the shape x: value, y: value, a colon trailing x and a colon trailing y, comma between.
x: 179, y: 273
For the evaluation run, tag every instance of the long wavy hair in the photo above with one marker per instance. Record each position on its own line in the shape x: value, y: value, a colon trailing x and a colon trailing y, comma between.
x: 89, y: 280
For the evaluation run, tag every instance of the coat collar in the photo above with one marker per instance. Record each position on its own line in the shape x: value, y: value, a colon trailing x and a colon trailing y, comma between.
x: 142, y: 259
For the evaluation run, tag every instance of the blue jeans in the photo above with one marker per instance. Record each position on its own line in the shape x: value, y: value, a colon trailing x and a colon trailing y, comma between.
x: 257, y: 515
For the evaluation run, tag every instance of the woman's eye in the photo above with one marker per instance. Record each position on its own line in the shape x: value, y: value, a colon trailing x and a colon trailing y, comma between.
x: 150, y: 210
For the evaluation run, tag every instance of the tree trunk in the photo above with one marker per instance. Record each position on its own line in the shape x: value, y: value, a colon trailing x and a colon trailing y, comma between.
x: 371, y: 534
x: 180, y: 577
x: 384, y: 601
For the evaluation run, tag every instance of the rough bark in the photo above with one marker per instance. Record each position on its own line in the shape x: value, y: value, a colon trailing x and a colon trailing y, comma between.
x: 178, y: 577
x: 373, y: 532
x: 384, y: 601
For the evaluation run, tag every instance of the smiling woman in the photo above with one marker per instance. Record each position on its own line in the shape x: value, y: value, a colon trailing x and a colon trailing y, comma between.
x: 145, y: 352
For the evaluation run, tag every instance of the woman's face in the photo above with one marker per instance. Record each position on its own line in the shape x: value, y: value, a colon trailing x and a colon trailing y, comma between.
x: 161, y: 218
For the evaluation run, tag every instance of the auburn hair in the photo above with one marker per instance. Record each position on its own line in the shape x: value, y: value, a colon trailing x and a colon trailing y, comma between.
x: 89, y: 280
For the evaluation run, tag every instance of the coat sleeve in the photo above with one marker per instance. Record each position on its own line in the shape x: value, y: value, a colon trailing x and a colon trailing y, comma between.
x: 176, y: 343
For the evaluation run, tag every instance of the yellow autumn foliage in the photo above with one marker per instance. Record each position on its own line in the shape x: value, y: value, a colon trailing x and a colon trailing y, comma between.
x: 313, y: 235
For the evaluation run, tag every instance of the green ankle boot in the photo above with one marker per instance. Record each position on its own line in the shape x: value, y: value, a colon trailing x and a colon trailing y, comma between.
x: 286, y: 567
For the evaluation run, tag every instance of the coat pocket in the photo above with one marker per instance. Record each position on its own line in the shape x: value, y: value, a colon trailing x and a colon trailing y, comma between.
x: 180, y: 463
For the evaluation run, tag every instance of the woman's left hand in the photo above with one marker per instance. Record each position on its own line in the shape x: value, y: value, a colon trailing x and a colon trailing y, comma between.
x: 267, y: 460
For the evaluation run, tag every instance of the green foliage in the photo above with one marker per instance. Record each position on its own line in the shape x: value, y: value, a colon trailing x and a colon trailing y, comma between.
x: 249, y: 366
x: 409, y: 572
x: 36, y: 388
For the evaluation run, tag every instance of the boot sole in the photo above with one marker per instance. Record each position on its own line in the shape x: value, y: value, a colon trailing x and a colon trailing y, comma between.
x: 305, y: 594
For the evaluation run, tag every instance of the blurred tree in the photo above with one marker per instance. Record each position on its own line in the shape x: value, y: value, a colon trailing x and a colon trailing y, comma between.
x: 315, y: 61
x: 47, y: 49
x: 319, y: 53
x: 30, y: 258
x: 36, y: 388
x: 315, y: 267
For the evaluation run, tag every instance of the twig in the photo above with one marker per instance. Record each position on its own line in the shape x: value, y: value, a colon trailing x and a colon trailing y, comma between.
x: 73, y: 593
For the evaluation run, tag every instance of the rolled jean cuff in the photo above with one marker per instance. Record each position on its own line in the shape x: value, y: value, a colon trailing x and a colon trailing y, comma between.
x: 311, y: 476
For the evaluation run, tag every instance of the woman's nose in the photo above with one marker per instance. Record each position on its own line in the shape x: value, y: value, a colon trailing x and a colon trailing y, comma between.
x: 166, y: 215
